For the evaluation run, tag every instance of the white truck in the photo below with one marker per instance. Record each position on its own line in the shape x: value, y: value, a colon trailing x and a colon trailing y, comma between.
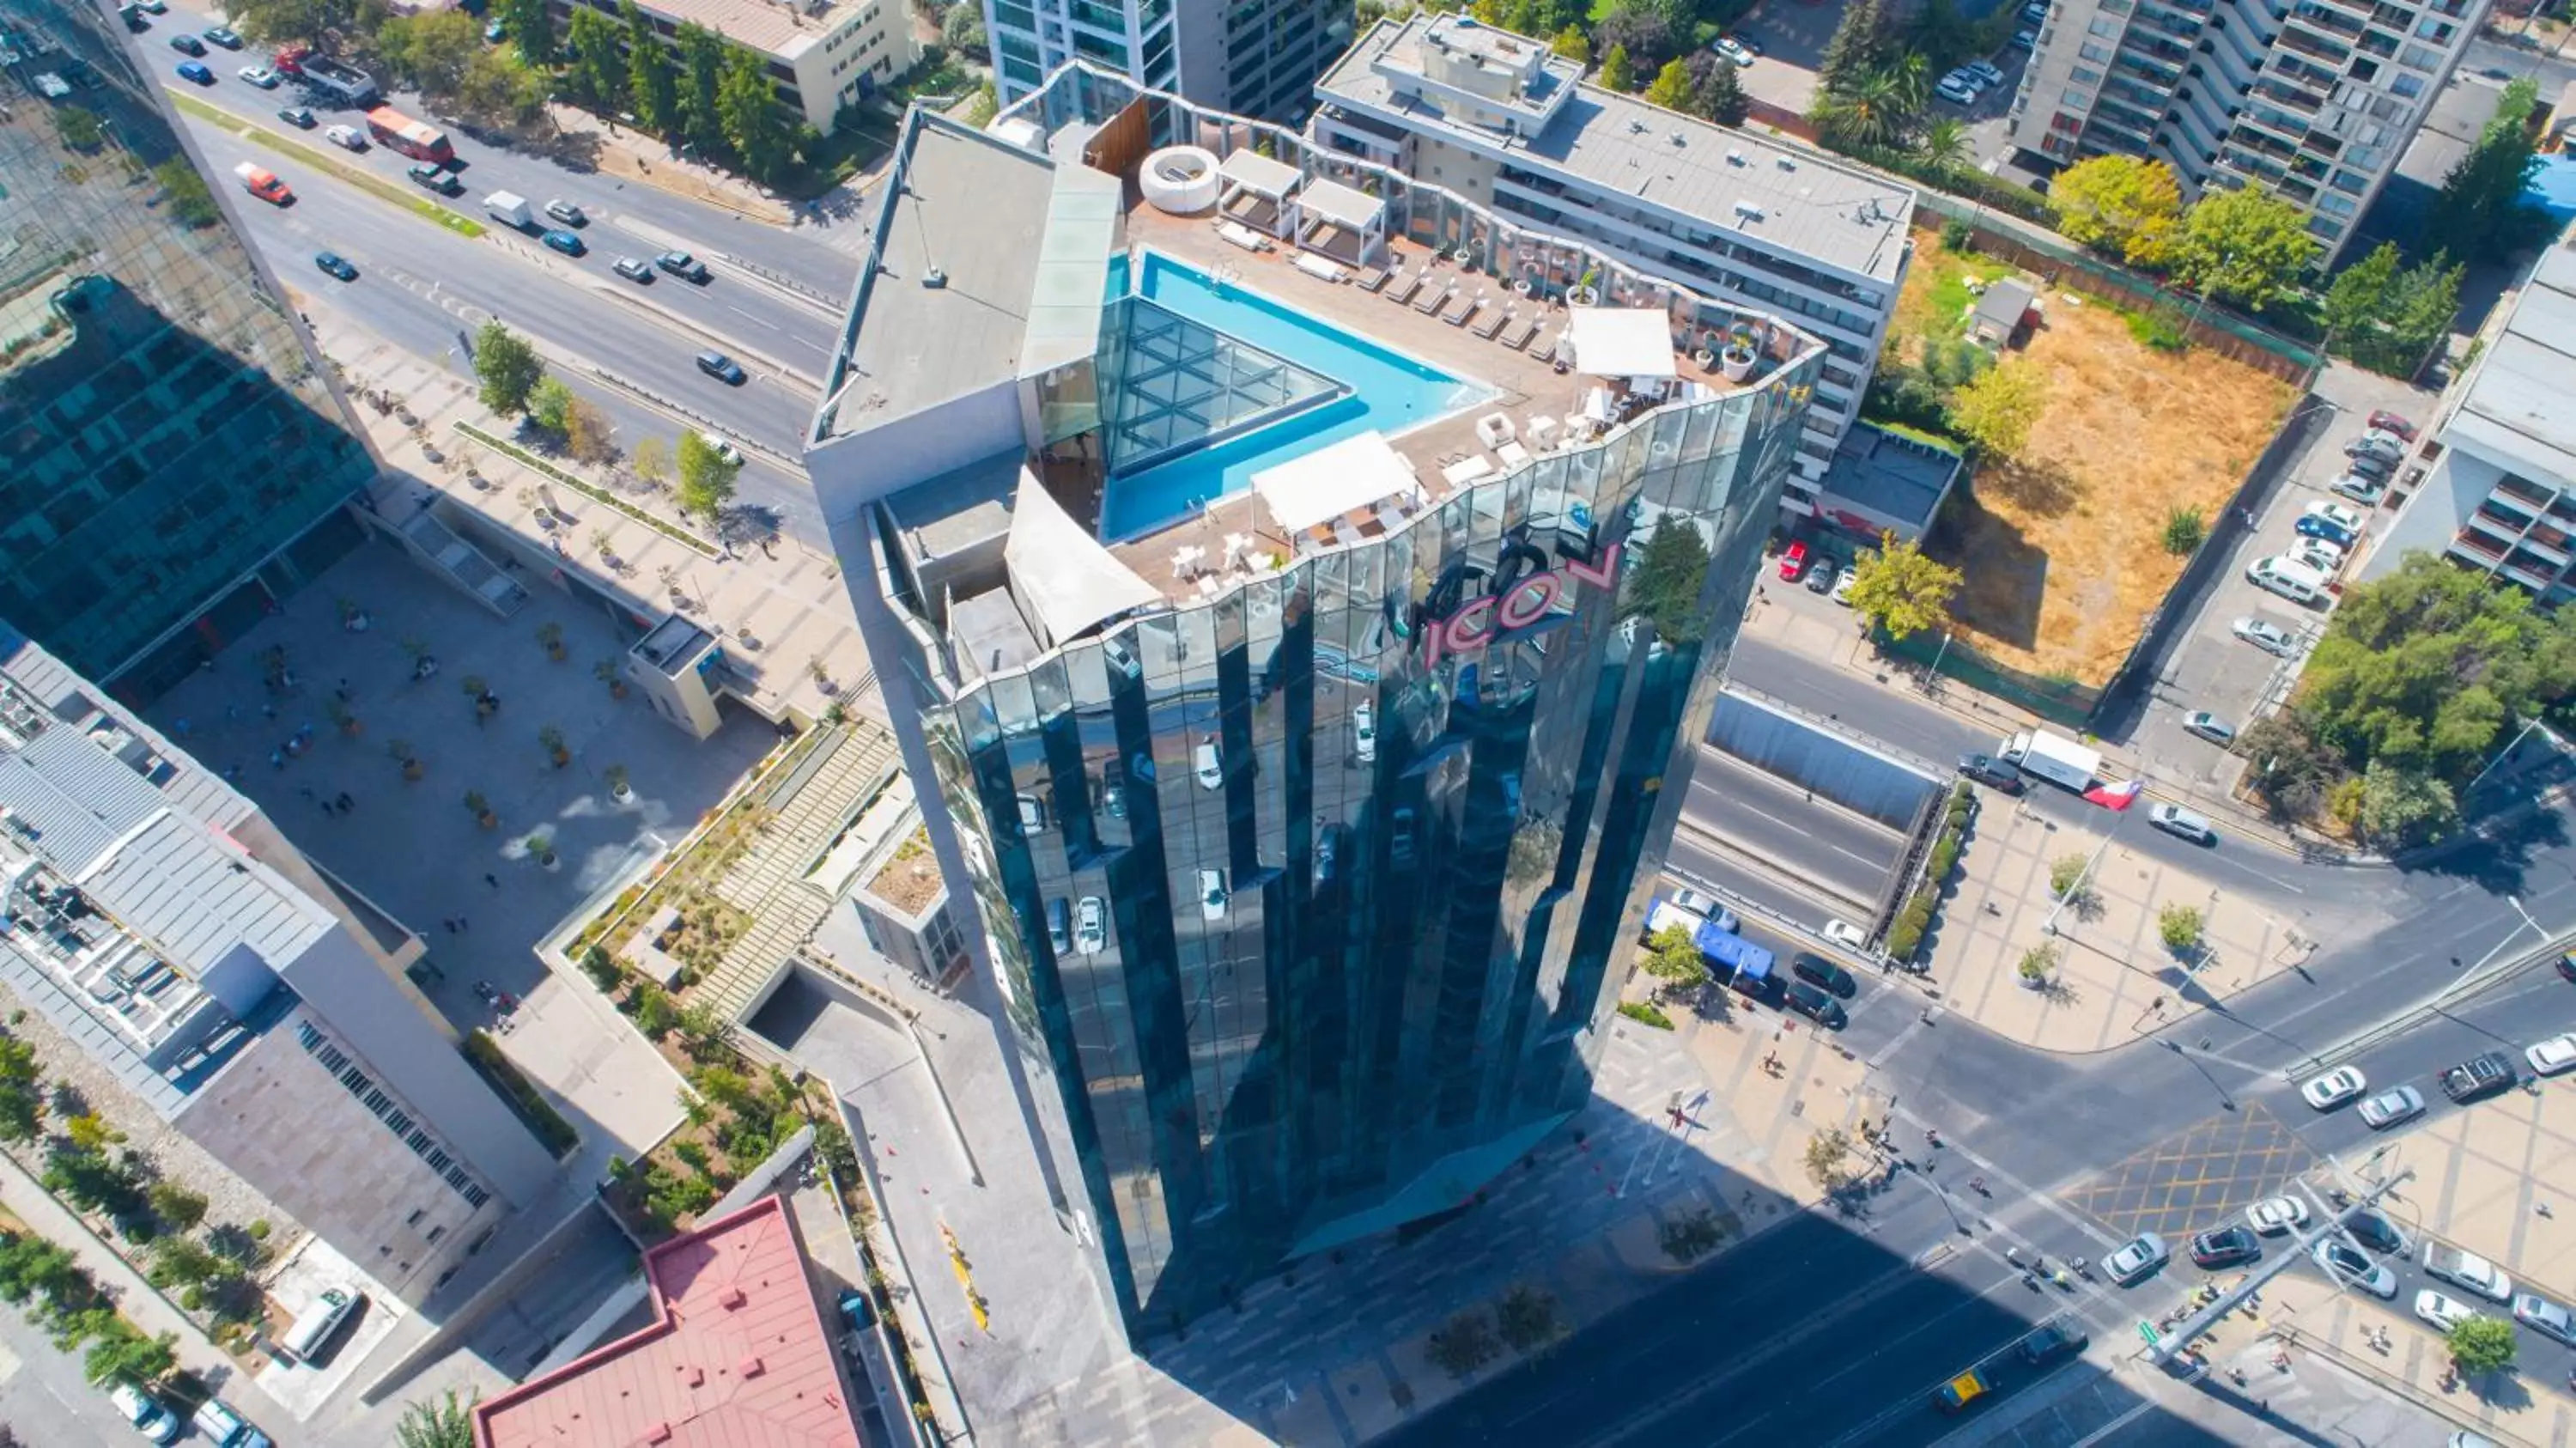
x: 2052, y: 757
x: 511, y: 208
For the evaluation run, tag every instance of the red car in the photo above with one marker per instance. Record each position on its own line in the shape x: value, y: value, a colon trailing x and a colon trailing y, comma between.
x: 2394, y: 423
x: 1793, y: 562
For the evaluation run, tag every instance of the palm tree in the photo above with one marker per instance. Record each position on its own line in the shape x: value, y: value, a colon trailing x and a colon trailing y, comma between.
x: 446, y: 1423
x: 1944, y: 146
x: 1868, y: 114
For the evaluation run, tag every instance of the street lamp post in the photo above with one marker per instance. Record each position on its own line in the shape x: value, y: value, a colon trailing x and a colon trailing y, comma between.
x: 2499, y: 758
x: 2049, y: 925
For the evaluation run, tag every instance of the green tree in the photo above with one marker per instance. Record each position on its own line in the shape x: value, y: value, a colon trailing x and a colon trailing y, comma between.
x: 963, y: 30
x: 80, y: 128
x: 2480, y: 1344
x: 550, y: 404
x: 177, y: 1206
x: 2402, y: 806
x: 650, y: 461
x: 2481, y: 213
x: 2065, y: 874
x: 2037, y: 962
x: 90, y: 1132
x: 500, y: 91
x: 2244, y: 246
x: 1717, y: 91
x: 530, y: 28
x: 1527, y: 1318
x: 1862, y: 42
x: 190, y: 201
x: 653, y: 83
x: 2123, y: 205
x: 1996, y: 410
x: 2185, y: 530
x: 701, y: 77
x: 22, y: 1090
x: 594, y: 60
x: 446, y: 1422
x: 1829, y: 1159
x: 706, y: 477
x: 278, y: 21
x: 2357, y: 296
x: 182, y: 1262
x: 1616, y: 73
x: 1873, y: 111
x: 507, y: 367
x: 1671, y: 88
x: 2180, y: 927
x: 703, y: 1027
x: 1665, y: 588
x: 752, y: 123
x: 2386, y: 315
x: 1944, y: 144
x: 1463, y: 1344
x: 123, y: 1355
x: 430, y: 51
x: 1573, y: 45
x: 1672, y: 957
x: 1900, y: 588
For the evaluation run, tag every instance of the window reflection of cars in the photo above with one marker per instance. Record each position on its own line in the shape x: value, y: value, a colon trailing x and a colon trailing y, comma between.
x: 1033, y: 819
x: 1399, y: 839
x: 1090, y: 925
x: 1212, y: 896
x: 1364, y: 732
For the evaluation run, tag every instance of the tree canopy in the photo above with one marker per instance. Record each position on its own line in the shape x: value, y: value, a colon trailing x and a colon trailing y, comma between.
x: 1671, y: 89
x: 1901, y: 589
x: 706, y: 478
x: 2480, y: 213
x: 2387, y: 316
x: 507, y: 367
x: 2243, y: 246
x: 1672, y: 957
x: 1996, y: 408
x: 1616, y: 73
x: 2126, y: 206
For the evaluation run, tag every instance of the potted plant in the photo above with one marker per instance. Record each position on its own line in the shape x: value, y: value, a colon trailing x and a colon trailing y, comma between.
x: 474, y: 685
x: 542, y: 846
x: 347, y: 721
x: 614, y: 677
x: 551, y: 635
x: 553, y: 740
x: 1587, y: 291
x: 822, y: 679
x: 481, y: 809
x: 606, y: 545
x: 352, y: 617
x: 618, y: 788
x: 401, y: 750
x: 2036, y: 963
x: 1738, y: 358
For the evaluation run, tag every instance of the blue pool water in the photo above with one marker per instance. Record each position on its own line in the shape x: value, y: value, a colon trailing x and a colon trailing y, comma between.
x: 1388, y: 393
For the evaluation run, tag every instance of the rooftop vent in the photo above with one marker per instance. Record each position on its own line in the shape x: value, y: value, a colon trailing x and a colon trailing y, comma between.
x: 934, y: 279
x: 1748, y: 211
x: 1734, y: 157
x: 1677, y: 138
x: 1636, y: 126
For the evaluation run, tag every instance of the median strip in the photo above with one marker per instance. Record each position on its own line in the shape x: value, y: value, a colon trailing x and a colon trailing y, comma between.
x: 384, y: 190
x: 600, y: 495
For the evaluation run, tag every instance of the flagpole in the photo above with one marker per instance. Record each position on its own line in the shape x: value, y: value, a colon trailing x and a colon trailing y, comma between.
x: 2127, y: 793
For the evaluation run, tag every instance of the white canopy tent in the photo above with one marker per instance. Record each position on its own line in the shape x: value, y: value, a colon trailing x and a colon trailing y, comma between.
x: 1326, y: 483
x: 1339, y: 204
x: 1621, y: 342
x: 1260, y: 174
x: 1064, y: 580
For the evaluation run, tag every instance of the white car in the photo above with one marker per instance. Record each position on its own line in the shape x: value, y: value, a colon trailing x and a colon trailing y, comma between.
x: 2025, y: 40
x: 1212, y: 896
x: 1843, y: 589
x: 147, y: 1415
x: 2136, y: 1258
x: 2346, y: 1264
x: 2318, y: 554
x: 2443, y: 1312
x: 1209, y: 766
x: 1955, y: 90
x: 1984, y: 72
x: 1707, y: 908
x: 258, y: 75
x: 2348, y: 519
x: 2388, y: 1108
x: 1090, y: 925
x: 2544, y: 1316
x: 1732, y: 49
x: 1847, y: 935
x: 2467, y: 1269
x: 2210, y: 727
x: 1364, y: 732
x: 722, y: 447
x: 2181, y: 823
x: 2334, y: 1088
x: 2364, y: 491
x: 2270, y: 637
x: 2552, y: 1056
x: 2277, y: 1214
x: 347, y: 138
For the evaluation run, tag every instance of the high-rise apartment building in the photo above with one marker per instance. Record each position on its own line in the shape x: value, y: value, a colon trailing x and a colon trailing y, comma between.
x: 2313, y: 100
x: 159, y: 920
x: 176, y: 457
x: 1503, y: 121
x: 1299, y: 606
x: 1252, y: 57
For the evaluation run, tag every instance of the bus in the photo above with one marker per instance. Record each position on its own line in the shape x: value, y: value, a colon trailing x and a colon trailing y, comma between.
x: 416, y: 139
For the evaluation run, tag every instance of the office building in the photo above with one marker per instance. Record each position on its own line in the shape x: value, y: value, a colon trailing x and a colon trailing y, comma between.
x: 2313, y: 100
x: 2493, y: 484
x: 822, y: 55
x: 1506, y: 123
x: 1298, y: 651
x: 155, y: 917
x: 1254, y: 58
x: 177, y: 459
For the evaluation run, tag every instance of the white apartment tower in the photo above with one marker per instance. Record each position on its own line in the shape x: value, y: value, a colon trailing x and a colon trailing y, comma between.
x: 1255, y: 58
x: 2313, y: 100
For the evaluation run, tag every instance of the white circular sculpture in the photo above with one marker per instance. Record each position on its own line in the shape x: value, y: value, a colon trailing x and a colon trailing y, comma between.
x: 1180, y: 180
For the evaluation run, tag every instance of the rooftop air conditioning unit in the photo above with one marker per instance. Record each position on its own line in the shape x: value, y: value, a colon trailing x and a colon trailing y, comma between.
x: 1748, y: 211
x: 1678, y: 138
x: 1635, y: 126
x: 1734, y: 157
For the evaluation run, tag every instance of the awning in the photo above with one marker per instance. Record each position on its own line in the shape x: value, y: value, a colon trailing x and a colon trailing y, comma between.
x: 1341, y: 205
x: 1329, y: 482
x: 1258, y: 173
x: 1064, y: 580
x: 1621, y: 342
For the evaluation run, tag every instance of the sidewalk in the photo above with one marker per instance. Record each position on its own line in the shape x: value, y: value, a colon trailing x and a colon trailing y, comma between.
x: 637, y: 156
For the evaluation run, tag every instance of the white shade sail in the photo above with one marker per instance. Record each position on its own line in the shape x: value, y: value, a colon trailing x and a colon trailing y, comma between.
x: 1621, y: 342
x: 1260, y: 174
x: 1064, y: 580
x: 1331, y: 481
x: 1334, y: 202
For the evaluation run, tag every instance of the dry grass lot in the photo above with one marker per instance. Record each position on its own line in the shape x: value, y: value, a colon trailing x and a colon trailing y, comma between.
x: 2062, y: 550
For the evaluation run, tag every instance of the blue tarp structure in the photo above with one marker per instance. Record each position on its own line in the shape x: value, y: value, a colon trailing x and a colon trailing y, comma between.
x: 1746, y: 962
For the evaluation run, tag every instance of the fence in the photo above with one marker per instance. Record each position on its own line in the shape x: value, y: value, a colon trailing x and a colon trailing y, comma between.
x: 2059, y: 700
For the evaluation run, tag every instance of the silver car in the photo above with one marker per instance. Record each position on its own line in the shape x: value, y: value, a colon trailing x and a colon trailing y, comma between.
x: 2174, y: 820
x: 2347, y: 1265
x: 2270, y: 637
x: 2544, y: 1316
x: 2136, y: 1258
x: 2388, y: 1108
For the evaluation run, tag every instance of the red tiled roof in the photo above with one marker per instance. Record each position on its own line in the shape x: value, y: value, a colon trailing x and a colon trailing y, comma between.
x: 737, y: 1356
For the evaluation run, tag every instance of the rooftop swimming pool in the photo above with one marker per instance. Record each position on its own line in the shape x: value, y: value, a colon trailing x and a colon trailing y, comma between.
x: 1387, y: 392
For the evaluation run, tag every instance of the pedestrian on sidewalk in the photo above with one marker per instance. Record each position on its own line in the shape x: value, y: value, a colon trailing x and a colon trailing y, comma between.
x: 346, y: 804
x: 491, y: 879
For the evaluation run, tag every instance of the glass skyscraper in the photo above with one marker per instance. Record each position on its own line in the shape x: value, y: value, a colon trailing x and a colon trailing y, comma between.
x: 176, y: 459
x: 1305, y: 891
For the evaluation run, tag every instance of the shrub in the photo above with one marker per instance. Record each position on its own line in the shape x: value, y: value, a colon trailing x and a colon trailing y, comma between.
x: 2185, y: 529
x: 2065, y: 873
x: 1906, y: 935
x: 2037, y: 962
x: 1645, y: 1014
x: 1527, y: 1318
x: 2157, y: 330
x: 2180, y: 928
x: 1690, y: 1236
x: 1958, y: 236
x: 602, y: 968
x: 1463, y: 1344
x: 1945, y: 858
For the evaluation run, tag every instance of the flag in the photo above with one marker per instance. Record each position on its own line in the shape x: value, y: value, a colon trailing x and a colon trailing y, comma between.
x: 2117, y: 796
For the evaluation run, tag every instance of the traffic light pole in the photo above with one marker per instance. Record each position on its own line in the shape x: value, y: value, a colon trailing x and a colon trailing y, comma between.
x: 2163, y: 1346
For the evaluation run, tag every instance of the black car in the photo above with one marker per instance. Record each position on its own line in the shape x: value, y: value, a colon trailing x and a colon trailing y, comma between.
x: 722, y: 368
x: 1812, y: 1002
x: 298, y: 117
x: 1987, y: 770
x: 1823, y: 576
x: 2479, y: 1076
x: 2052, y: 1340
x: 333, y: 263
x: 135, y: 19
x: 1825, y: 973
x: 2567, y: 964
x: 187, y: 44
x: 224, y: 37
x: 2225, y: 1247
x: 682, y: 265
x: 2376, y: 1232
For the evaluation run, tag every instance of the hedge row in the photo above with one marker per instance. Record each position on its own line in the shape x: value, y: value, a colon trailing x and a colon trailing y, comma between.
x: 1907, y: 933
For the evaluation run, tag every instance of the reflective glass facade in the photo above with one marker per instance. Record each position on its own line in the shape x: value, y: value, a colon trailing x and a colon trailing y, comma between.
x: 171, y: 444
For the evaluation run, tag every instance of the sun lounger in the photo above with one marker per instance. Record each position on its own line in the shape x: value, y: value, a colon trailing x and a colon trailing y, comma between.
x: 1544, y: 348
x: 1518, y: 336
x: 1400, y: 290
x: 1241, y: 235
x: 1430, y: 302
x: 1373, y: 280
x: 1460, y: 310
x: 1318, y: 267
x: 1486, y: 329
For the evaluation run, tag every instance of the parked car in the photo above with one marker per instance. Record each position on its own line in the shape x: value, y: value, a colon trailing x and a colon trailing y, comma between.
x: 1212, y: 896
x: 1816, y: 1004
x: 2277, y: 1214
x: 350, y: 138
x: 187, y: 44
x: 2174, y: 820
x: 1820, y: 579
x: 223, y: 36
x: 2376, y: 1232
x: 2052, y: 1340
x: 1364, y: 732
x: 2271, y: 638
x: 2391, y: 422
x: 2360, y: 489
x: 300, y: 117
x: 1985, y: 72
x: 221, y: 1426
x: 258, y: 75
x: 2467, y: 1269
x: 1809, y: 966
x: 2374, y: 466
x: 1708, y: 908
x: 682, y: 265
x: 2205, y: 725
x: 1733, y: 49
x: 2388, y: 447
x: 1793, y: 561
x: 336, y: 265
x: 1843, y: 586
x: 2136, y: 1258
x: 1847, y: 935
x: 145, y: 1413
x: 722, y: 368
x: 2443, y: 1312
x: 433, y: 179
x: 2326, y: 529
x: 2545, y: 1317
x: 2318, y: 554
x: 2025, y: 40
x: 2552, y: 1056
x: 1090, y: 925
x: 2229, y: 1246
x: 2335, y: 1087
x: 567, y: 213
x: 565, y: 242
x: 633, y: 269
x: 195, y: 71
x: 2478, y: 1077
x: 2345, y: 1265
x: 2347, y: 519
x: 2388, y: 1108
x: 1987, y: 770
x: 1955, y: 90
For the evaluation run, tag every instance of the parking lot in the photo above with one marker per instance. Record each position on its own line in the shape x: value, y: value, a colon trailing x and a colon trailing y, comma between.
x: 1792, y: 39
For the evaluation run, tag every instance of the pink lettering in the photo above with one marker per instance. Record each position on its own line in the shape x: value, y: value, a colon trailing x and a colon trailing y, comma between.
x: 1529, y: 601
x: 1476, y: 624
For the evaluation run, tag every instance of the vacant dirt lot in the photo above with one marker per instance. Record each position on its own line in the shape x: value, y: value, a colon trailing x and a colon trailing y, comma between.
x: 2063, y: 550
